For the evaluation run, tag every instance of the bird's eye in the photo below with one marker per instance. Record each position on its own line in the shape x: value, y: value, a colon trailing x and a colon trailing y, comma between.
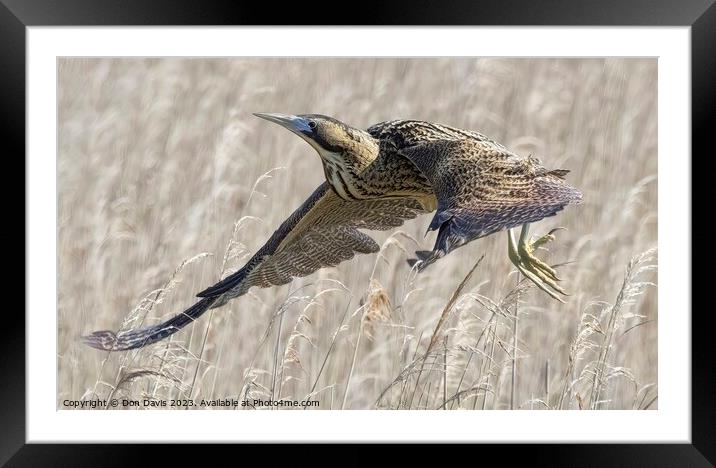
x: 312, y: 124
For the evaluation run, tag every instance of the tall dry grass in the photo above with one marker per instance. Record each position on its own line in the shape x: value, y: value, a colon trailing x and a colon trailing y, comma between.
x: 167, y: 183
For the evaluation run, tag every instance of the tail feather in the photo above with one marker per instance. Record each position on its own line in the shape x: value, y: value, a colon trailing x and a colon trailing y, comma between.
x: 132, y: 339
x: 553, y: 187
x: 561, y: 173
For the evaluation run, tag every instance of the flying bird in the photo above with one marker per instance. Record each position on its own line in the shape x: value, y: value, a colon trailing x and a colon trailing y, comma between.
x: 376, y: 179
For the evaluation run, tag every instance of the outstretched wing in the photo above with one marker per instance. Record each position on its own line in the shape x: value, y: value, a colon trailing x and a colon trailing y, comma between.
x: 322, y: 232
x: 482, y: 188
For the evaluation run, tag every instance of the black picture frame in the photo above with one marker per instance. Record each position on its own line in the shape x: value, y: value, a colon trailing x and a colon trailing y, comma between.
x: 17, y: 15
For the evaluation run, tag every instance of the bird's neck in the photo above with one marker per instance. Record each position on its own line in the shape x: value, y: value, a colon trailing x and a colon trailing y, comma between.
x: 344, y: 168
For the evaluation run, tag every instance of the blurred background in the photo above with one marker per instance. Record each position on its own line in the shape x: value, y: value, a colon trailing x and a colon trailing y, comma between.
x: 167, y: 183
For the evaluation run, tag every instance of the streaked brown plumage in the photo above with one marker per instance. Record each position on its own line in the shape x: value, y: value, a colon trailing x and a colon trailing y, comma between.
x: 377, y: 179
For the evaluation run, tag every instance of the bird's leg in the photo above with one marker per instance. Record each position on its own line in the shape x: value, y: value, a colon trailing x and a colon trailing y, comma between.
x: 541, y: 274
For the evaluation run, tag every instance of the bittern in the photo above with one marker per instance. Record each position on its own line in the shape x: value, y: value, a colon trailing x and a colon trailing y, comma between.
x: 377, y: 179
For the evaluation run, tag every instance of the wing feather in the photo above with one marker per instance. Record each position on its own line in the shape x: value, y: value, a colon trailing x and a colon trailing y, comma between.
x: 322, y: 232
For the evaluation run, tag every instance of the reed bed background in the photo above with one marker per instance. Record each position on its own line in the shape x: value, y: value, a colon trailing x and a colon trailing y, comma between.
x: 168, y: 183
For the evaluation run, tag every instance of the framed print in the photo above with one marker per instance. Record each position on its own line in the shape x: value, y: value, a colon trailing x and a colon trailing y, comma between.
x: 454, y: 225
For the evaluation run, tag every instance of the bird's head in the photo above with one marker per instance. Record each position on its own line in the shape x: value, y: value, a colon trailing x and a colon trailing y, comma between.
x: 332, y: 139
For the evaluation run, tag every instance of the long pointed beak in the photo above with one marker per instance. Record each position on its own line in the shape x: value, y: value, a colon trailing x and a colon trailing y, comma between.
x: 297, y: 125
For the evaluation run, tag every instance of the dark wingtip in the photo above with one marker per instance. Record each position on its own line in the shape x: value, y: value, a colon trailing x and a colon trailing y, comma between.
x: 424, y: 259
x: 423, y: 254
x: 104, y: 340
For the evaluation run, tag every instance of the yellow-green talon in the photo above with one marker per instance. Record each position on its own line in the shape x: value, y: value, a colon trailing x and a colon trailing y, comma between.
x: 535, y: 262
x: 522, y: 256
x: 526, y: 249
x: 542, y: 241
x: 539, y: 283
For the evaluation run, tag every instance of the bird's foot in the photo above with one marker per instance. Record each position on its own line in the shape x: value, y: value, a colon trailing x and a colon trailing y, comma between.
x: 522, y: 256
x: 526, y: 250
